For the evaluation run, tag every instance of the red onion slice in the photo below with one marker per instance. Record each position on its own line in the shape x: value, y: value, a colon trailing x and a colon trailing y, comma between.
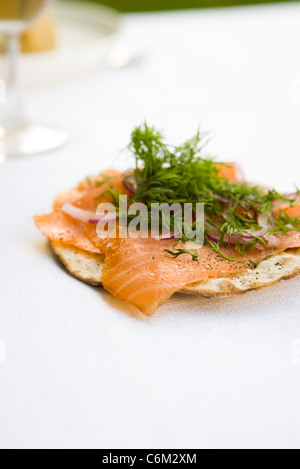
x: 221, y: 199
x: 226, y: 243
x: 163, y: 238
x: 129, y: 182
x: 212, y: 238
x: 241, y: 237
x: 247, y: 236
x: 265, y: 224
x: 85, y: 216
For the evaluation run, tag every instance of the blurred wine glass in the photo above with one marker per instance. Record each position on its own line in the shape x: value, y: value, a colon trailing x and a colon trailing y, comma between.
x: 18, y: 136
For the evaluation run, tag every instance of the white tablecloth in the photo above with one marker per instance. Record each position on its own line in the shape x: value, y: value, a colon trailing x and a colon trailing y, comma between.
x: 80, y: 369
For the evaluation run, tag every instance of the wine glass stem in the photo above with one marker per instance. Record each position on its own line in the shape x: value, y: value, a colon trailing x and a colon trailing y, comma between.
x: 12, y: 115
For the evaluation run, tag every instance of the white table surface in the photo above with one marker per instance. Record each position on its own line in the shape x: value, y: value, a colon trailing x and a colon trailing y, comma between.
x: 84, y: 370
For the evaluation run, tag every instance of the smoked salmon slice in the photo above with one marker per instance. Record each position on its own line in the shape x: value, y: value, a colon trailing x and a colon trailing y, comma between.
x: 138, y: 272
x: 293, y: 212
x: 292, y: 239
x: 57, y: 226
x: 231, y: 171
x: 287, y: 241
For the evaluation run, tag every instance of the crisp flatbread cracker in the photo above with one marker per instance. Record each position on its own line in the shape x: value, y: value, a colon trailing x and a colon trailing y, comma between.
x: 280, y: 266
x: 81, y: 264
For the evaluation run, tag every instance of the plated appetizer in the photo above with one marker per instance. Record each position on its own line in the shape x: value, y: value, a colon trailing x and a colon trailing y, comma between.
x: 234, y: 237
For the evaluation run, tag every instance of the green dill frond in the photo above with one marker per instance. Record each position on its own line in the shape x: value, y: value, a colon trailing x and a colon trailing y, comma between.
x: 168, y: 174
x: 179, y: 252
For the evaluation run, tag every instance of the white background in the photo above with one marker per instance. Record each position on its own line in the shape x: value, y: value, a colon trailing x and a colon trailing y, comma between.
x: 84, y: 370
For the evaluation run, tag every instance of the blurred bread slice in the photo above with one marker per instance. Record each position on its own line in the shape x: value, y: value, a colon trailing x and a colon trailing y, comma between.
x: 40, y: 36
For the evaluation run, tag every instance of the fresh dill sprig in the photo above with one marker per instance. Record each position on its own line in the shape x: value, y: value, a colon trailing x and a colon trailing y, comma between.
x: 113, y: 193
x: 179, y: 252
x: 216, y: 248
x: 104, y: 180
